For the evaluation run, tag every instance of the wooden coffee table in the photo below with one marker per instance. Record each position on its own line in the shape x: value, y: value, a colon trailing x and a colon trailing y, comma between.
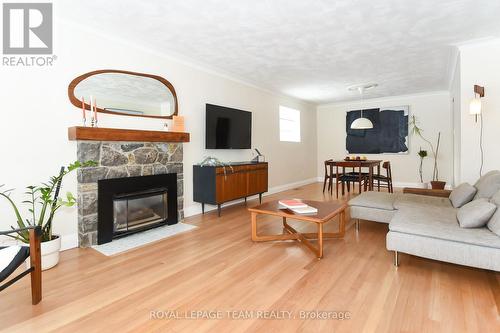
x: 326, y: 212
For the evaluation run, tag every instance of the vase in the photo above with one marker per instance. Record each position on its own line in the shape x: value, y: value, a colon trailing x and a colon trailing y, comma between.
x: 437, y: 185
x: 50, y: 253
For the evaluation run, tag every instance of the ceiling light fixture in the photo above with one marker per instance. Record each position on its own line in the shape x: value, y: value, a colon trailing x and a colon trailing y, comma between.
x: 365, y: 86
x: 361, y: 122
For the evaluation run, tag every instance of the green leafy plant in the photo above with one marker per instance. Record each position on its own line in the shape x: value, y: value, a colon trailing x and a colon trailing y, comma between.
x: 43, y: 202
x: 417, y: 130
x: 422, y: 154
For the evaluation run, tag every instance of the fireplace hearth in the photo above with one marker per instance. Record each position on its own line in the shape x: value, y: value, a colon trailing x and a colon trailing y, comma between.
x: 132, y: 204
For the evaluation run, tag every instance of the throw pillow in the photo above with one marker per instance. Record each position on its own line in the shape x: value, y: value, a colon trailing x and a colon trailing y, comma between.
x: 488, y: 186
x: 486, y: 175
x: 475, y: 214
x: 462, y: 194
x: 495, y: 199
x: 494, y: 223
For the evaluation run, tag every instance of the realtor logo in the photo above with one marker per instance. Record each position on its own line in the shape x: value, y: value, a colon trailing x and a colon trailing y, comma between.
x: 27, y: 28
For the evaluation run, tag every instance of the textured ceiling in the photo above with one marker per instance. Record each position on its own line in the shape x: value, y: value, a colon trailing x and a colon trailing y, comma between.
x: 310, y: 49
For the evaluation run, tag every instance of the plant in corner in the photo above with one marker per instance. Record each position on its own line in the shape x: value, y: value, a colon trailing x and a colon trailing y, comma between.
x: 43, y: 202
x: 422, y: 154
x: 417, y: 130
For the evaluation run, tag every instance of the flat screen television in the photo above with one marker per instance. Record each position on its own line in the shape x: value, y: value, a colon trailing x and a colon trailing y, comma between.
x: 227, y: 128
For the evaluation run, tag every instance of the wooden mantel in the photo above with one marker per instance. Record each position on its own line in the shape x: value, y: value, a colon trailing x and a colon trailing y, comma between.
x: 115, y: 134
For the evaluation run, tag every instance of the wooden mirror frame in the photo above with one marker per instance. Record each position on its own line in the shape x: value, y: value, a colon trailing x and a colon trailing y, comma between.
x: 78, y: 103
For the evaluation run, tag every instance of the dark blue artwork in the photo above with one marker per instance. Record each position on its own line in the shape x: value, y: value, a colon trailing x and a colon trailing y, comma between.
x: 388, y: 135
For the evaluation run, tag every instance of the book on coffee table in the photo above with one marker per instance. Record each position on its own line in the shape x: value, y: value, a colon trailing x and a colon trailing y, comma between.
x: 297, y: 206
x: 292, y: 203
x: 305, y: 210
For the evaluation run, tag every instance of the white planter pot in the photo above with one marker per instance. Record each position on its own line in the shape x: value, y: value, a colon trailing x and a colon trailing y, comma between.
x: 423, y: 185
x: 50, y: 253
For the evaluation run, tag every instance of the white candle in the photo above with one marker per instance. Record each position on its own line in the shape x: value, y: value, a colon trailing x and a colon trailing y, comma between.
x: 95, y: 110
x: 91, y: 106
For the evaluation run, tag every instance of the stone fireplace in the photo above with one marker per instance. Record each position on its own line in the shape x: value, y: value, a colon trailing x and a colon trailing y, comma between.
x: 121, y: 160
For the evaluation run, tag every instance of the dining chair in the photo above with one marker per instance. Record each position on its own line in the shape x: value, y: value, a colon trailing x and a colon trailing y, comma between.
x: 344, y: 178
x: 385, y: 180
x: 329, y: 175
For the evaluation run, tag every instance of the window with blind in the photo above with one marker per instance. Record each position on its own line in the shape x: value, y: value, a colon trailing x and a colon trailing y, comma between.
x: 289, y: 124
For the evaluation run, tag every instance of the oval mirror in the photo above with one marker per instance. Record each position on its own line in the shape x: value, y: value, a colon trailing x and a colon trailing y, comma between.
x: 125, y: 93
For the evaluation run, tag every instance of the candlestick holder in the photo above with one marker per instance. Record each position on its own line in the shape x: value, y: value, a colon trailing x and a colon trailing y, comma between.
x: 84, y: 122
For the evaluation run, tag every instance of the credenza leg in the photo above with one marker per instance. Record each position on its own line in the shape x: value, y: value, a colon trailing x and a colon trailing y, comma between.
x: 218, y: 210
x: 245, y: 200
x: 202, y: 208
x: 260, y: 197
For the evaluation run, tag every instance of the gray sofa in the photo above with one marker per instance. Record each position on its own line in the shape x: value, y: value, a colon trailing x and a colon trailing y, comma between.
x: 427, y: 226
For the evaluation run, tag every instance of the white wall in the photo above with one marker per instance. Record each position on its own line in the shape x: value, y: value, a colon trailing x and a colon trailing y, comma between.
x: 455, y: 95
x: 434, y: 114
x: 479, y: 64
x: 36, y: 113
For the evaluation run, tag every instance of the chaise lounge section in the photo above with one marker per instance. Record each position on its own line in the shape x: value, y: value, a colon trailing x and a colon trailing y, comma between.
x: 427, y: 226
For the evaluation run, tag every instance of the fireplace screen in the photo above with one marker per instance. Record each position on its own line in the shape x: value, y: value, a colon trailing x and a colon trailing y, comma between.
x: 139, y: 210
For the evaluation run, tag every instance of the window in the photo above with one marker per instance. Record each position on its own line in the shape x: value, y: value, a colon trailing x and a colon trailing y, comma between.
x: 289, y: 124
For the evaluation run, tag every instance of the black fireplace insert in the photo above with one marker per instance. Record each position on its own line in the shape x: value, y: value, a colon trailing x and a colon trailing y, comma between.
x: 133, y: 204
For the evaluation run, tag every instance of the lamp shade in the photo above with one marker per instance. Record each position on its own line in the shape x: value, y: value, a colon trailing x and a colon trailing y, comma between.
x: 475, y: 106
x: 362, y: 123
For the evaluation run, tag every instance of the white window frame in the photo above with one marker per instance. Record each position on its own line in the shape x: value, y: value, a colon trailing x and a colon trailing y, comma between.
x: 289, y: 124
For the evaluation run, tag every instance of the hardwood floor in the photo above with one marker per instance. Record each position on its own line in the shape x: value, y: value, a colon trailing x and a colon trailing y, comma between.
x: 216, y: 267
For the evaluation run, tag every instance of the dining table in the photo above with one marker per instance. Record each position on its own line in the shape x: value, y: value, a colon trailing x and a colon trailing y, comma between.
x: 370, y: 164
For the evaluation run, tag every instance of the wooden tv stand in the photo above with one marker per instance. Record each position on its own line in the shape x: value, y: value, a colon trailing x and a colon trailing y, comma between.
x: 240, y: 180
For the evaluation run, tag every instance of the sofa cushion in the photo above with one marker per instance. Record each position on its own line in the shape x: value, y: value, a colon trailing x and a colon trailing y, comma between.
x: 462, y: 194
x: 416, y: 200
x: 440, y: 223
x: 379, y: 200
x: 475, y: 214
x: 488, y: 186
x: 486, y: 175
x: 494, y: 223
x: 372, y: 214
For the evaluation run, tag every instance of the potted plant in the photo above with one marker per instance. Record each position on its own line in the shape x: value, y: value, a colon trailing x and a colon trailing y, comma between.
x: 422, y: 154
x: 43, y: 202
x: 416, y: 130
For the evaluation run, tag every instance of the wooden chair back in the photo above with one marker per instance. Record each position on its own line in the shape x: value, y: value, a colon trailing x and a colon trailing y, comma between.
x: 328, y: 163
x: 387, y: 166
x: 349, y: 164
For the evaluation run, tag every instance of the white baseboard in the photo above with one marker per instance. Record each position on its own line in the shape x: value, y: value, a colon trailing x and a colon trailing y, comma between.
x: 195, y: 208
x: 405, y: 184
x: 69, y: 241
x: 418, y: 185
x: 281, y: 188
x: 409, y: 184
